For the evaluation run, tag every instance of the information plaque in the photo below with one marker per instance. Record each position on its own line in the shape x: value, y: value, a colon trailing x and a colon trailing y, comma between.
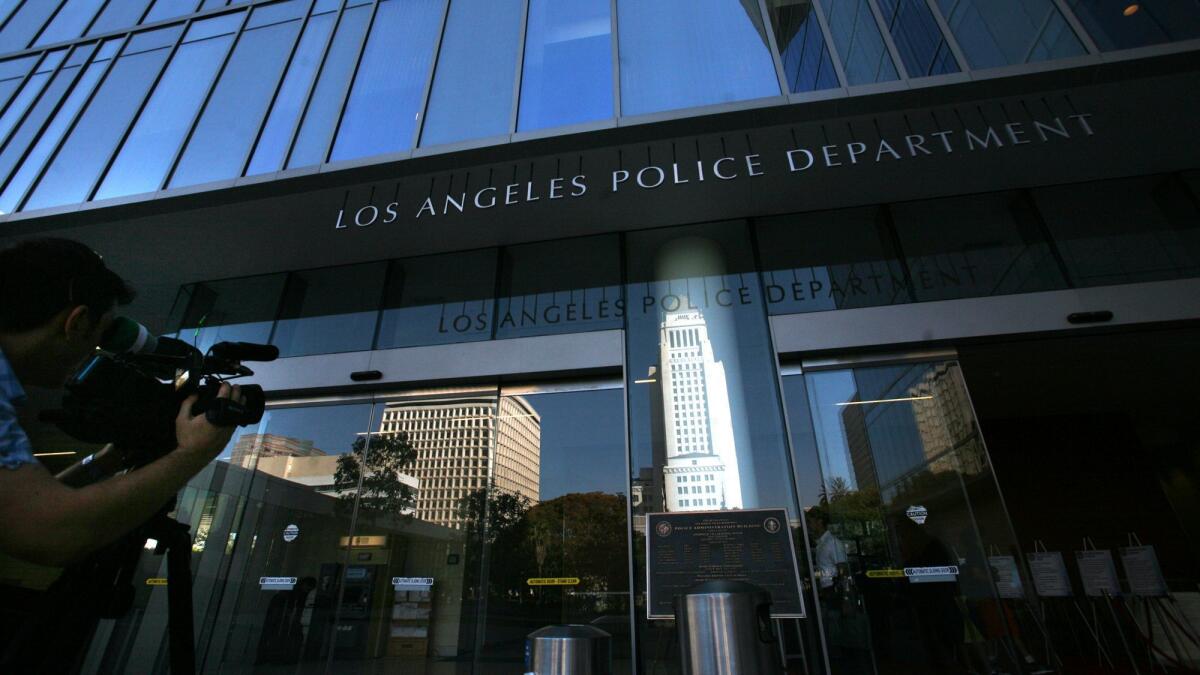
x: 754, y: 546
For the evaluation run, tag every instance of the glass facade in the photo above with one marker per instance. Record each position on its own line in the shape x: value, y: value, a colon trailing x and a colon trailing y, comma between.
x: 1000, y: 499
x: 431, y: 530
x: 213, y: 91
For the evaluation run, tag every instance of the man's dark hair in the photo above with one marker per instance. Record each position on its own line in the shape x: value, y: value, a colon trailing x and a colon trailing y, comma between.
x: 41, y: 277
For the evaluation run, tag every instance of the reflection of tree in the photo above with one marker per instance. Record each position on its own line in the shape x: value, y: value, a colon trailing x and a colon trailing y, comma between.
x: 382, y: 490
x: 855, y: 515
x: 575, y: 535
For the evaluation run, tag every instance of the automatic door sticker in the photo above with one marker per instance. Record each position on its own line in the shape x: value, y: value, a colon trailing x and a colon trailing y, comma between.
x: 277, y: 583
x: 926, y: 575
x: 917, y: 514
x: 290, y: 533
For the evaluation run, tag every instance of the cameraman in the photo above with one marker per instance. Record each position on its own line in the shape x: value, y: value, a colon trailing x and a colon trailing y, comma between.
x: 56, y: 301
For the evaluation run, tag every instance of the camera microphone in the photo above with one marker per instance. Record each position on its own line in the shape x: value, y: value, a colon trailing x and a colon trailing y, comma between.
x: 126, y: 336
x: 244, y: 351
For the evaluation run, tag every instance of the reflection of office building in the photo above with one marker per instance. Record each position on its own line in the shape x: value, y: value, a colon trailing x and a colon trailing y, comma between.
x: 261, y: 446
x: 454, y: 440
x: 858, y: 441
x: 944, y: 422
x: 701, y: 471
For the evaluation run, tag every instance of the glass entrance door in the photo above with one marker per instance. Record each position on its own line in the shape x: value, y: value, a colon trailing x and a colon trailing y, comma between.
x: 915, y: 562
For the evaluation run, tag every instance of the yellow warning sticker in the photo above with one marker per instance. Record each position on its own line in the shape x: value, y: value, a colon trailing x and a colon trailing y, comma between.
x: 156, y: 581
x: 553, y: 581
x: 885, y: 574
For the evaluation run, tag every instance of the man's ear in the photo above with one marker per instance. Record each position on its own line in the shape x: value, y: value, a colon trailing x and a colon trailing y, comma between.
x: 79, y: 322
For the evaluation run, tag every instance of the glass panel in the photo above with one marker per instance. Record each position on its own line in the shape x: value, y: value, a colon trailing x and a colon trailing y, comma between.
x: 70, y: 21
x: 908, y: 486
x: 687, y: 53
x: 168, y: 9
x: 558, y: 495
x: 418, y: 521
x: 330, y: 310
x: 313, y: 139
x: 568, y: 65
x: 147, y: 154
x: 385, y: 103
x: 806, y: 60
x: 30, y: 92
x: 995, y: 33
x: 566, y: 286
x: 24, y: 134
x: 1124, y: 231
x: 1091, y: 437
x: 16, y: 68
x: 24, y: 24
x: 430, y: 301
x: 222, y: 139
x: 918, y: 38
x: 855, y: 33
x: 473, y: 86
x: 85, y: 152
x: 53, y: 133
x: 299, y: 465
x: 265, y: 15
x: 289, y: 102
x: 830, y: 260
x: 989, y: 244
x: 1123, y: 25
x: 118, y: 15
x: 6, y: 8
x: 703, y: 394
x: 234, y: 310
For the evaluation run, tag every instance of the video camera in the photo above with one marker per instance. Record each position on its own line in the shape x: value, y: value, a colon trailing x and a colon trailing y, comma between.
x: 129, y: 393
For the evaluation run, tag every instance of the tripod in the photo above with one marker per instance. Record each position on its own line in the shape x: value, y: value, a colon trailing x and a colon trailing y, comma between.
x: 101, y: 587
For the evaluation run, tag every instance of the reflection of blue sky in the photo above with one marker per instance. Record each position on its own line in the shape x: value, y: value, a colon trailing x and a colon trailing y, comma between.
x: 583, y: 442
x: 332, y: 429
x: 826, y: 391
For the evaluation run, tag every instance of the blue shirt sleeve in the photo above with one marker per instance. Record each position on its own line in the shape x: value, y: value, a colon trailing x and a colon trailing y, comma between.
x: 15, y: 449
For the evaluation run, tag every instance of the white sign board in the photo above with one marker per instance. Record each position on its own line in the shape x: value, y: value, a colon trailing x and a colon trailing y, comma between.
x: 1006, y: 576
x: 277, y: 583
x: 1049, y: 574
x: 1098, y: 572
x: 1142, y: 570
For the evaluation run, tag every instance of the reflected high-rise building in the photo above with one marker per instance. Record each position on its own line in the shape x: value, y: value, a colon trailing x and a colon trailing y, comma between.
x: 252, y: 446
x: 701, y: 470
x: 454, y: 439
x: 297, y: 461
x: 942, y: 410
x: 858, y: 442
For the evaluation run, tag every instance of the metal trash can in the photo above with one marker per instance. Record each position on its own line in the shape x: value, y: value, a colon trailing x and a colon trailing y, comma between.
x: 573, y: 649
x: 725, y: 628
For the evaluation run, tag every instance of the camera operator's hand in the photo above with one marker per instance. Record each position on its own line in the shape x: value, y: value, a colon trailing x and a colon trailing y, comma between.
x: 198, y: 438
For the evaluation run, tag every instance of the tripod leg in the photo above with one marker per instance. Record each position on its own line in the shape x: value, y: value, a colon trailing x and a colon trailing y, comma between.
x: 180, y: 628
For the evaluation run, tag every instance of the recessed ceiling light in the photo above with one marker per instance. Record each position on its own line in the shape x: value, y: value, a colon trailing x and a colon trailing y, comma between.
x: 1132, y: 9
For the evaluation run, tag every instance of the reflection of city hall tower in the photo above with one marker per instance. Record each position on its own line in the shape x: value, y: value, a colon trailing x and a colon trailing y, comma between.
x: 701, y: 471
x: 453, y: 441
